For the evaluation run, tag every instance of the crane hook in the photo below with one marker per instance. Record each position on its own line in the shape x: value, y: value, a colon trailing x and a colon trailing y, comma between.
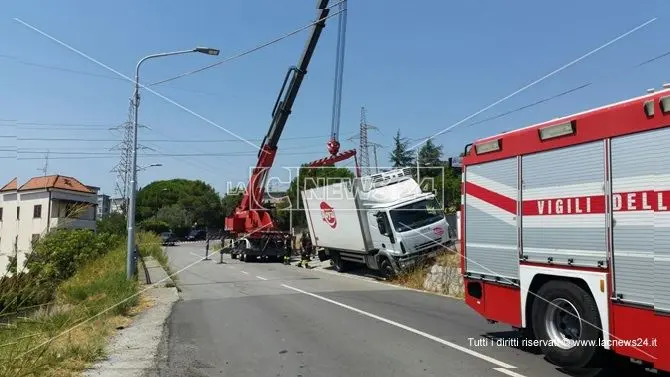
x: 333, y: 146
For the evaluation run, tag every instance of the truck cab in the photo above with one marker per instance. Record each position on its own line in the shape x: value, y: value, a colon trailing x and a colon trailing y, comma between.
x: 405, y: 224
x: 383, y: 221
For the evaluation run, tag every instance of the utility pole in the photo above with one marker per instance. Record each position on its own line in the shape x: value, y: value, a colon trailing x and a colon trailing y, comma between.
x: 131, y: 249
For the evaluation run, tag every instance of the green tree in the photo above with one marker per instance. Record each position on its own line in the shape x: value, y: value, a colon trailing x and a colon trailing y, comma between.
x: 430, y: 154
x: 176, y: 217
x: 400, y: 156
x: 231, y: 201
x: 200, y: 201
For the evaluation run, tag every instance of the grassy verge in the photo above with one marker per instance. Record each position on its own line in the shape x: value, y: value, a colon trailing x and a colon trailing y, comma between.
x: 150, y: 245
x: 72, y: 334
x: 416, y: 276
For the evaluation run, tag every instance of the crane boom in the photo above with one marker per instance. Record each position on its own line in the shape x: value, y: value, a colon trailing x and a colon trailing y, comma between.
x: 250, y: 217
x: 334, y: 143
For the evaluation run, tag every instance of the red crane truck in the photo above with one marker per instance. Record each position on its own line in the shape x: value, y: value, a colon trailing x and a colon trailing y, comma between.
x: 566, y: 232
x: 250, y: 228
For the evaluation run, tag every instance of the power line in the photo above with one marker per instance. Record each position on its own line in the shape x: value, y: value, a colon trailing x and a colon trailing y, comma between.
x: 85, y: 73
x: 563, y: 93
x: 247, y: 52
x: 164, y: 140
x: 110, y: 156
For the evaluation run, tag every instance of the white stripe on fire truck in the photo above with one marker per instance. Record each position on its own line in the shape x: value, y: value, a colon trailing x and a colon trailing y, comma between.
x: 490, y: 209
x: 659, y: 182
x: 563, y: 191
x: 492, y: 185
x: 592, y: 220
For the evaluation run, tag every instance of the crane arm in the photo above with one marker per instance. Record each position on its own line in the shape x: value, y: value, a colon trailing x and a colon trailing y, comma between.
x: 249, y: 216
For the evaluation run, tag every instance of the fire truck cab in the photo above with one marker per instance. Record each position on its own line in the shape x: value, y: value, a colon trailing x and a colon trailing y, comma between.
x: 566, y: 232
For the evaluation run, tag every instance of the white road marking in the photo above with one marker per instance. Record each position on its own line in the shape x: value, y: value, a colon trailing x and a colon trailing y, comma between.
x: 244, y: 272
x: 508, y: 372
x: 500, y: 364
x: 262, y: 278
x: 196, y: 255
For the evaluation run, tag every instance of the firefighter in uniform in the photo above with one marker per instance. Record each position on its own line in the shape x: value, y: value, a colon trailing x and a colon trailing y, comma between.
x: 288, y: 249
x: 306, y: 243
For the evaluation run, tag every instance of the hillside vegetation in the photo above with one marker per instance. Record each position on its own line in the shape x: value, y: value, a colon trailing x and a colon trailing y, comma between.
x: 78, y: 295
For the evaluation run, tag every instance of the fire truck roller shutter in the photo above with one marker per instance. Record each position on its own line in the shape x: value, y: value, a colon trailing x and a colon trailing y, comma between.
x: 638, y: 162
x: 564, y: 221
x: 662, y: 227
x: 491, y: 192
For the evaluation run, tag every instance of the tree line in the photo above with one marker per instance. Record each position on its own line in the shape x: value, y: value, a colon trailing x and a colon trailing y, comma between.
x: 180, y: 204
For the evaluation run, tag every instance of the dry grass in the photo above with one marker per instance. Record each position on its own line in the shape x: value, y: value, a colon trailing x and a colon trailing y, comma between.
x: 64, y: 342
x: 415, y: 276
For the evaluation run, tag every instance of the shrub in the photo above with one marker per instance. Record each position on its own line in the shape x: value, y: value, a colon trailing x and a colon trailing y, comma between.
x: 55, y: 258
x: 114, y: 223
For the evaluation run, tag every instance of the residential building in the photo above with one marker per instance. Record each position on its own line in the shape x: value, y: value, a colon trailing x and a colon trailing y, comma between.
x: 116, y: 205
x: 30, y: 210
x: 104, y: 206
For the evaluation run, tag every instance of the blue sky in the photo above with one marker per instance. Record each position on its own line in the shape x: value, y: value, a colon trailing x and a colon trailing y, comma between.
x: 416, y: 66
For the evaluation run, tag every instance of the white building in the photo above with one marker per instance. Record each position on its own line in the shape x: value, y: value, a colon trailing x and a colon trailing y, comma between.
x: 104, y: 206
x: 29, y: 211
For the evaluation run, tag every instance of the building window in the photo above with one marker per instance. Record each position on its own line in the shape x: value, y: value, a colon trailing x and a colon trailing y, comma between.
x: 33, y: 241
x: 18, y: 210
x: 37, y: 211
x: 0, y: 213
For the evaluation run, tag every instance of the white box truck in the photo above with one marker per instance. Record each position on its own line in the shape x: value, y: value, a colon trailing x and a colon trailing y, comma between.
x: 383, y: 221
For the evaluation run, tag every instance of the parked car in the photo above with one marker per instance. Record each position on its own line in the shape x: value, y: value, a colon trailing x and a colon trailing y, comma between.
x: 168, y: 238
x: 197, y: 235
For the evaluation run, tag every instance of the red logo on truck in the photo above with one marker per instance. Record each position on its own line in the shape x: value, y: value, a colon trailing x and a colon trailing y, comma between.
x: 438, y: 231
x: 328, y: 215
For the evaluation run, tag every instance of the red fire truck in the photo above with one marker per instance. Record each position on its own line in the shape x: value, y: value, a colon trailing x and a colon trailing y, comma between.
x: 566, y: 232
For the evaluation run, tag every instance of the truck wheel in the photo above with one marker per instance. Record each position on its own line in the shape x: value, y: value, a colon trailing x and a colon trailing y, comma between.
x: 339, y: 264
x: 564, y: 313
x: 387, y: 269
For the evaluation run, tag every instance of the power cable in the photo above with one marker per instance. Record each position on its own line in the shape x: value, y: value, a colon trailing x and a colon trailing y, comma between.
x: 112, y: 156
x: 85, y: 73
x: 247, y: 52
x: 561, y: 94
x: 162, y: 140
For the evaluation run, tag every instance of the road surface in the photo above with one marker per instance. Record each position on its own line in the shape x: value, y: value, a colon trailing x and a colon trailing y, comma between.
x: 267, y: 319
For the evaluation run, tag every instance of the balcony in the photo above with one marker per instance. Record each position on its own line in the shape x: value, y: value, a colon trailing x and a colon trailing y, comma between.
x: 64, y: 222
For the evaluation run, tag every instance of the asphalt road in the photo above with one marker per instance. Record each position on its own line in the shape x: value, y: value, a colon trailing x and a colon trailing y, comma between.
x: 267, y: 319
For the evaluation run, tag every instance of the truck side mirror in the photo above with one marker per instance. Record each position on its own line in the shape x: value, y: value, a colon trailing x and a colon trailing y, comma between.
x: 383, y: 229
x: 381, y: 224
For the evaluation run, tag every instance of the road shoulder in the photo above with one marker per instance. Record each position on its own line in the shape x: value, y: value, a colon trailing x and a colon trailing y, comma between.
x: 133, y: 350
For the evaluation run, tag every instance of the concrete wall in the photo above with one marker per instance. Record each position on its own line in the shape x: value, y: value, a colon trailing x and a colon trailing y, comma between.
x: 29, y: 224
x: 8, y: 227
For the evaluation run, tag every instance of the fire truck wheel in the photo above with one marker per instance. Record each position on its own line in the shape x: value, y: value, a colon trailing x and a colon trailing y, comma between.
x: 563, y: 313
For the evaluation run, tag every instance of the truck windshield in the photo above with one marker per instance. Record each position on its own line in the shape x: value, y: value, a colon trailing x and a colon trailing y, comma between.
x: 416, y: 215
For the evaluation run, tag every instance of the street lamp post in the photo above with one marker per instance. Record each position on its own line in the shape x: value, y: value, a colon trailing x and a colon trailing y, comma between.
x: 130, y: 258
